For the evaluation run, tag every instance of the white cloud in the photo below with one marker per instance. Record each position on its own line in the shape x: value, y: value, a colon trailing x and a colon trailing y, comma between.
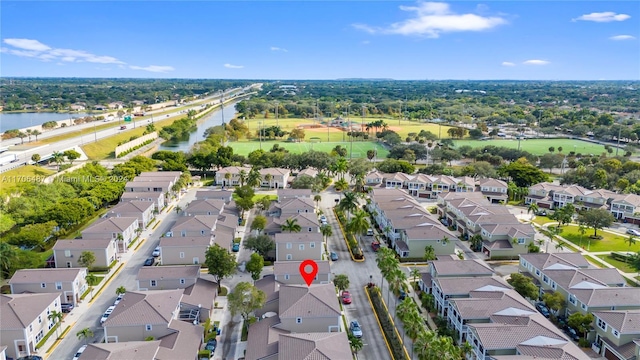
x: 35, y: 49
x: 366, y: 42
x: 622, y: 37
x: 430, y: 19
x: 275, y: 48
x: 507, y: 63
x: 607, y: 16
x: 27, y: 44
x: 153, y: 68
x: 230, y: 66
x: 536, y: 62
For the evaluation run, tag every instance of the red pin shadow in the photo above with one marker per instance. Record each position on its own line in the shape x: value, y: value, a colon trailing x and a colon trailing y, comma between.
x: 308, y: 276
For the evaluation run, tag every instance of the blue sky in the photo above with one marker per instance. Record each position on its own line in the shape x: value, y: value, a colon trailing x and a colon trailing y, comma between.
x: 521, y: 40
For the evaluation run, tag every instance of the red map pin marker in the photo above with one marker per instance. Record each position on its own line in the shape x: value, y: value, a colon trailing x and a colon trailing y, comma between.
x: 308, y: 270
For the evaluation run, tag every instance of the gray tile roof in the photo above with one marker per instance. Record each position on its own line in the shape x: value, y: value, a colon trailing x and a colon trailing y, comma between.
x: 543, y: 260
x: 175, y: 174
x: 20, y: 310
x: 110, y: 225
x: 83, y: 244
x: 294, y: 193
x: 314, y: 346
x: 625, y: 321
x: 145, y: 307
x: 507, y: 332
x: 307, y: 172
x: 464, y: 285
x: 195, y: 223
x: 224, y: 195
x: 214, y: 206
x: 568, y: 278
x: 138, y: 350
x: 430, y: 232
x: 313, y: 301
x: 135, y: 206
x: 183, y: 343
x: 609, y: 296
x: 388, y: 192
x: 274, y: 171
x: 492, y: 182
x: 233, y: 170
x: 293, y: 267
x: 627, y: 350
x: 298, y: 237
x: 263, y: 338
x: 269, y: 286
x: 185, y: 241
x: 300, y: 203
x: 37, y: 276
x: 461, y: 267
x: 168, y: 272
x: 481, y: 304
x: 202, y: 293
x: 135, y: 195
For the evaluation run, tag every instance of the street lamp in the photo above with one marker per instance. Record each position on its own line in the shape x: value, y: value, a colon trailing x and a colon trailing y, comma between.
x: 277, y: 105
x: 260, y: 133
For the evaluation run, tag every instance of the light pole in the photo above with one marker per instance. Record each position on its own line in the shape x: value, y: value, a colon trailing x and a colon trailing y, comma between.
x: 95, y: 134
x: 277, y: 105
x: 260, y: 133
x: 364, y: 107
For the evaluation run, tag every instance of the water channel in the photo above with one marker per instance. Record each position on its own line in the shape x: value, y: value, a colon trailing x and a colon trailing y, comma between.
x: 24, y: 120
x: 214, y: 118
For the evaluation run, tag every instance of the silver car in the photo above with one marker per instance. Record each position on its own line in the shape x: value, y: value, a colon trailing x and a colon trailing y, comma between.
x: 355, y: 328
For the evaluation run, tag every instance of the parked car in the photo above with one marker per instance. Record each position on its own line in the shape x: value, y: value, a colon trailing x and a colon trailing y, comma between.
x: 236, y: 247
x: 66, y: 307
x: 31, y: 357
x: 323, y: 218
x: 156, y: 252
x: 346, y: 297
x: 107, y: 313
x: 79, y: 352
x: 149, y: 261
x: 334, y: 256
x: 118, y: 299
x: 542, y: 213
x: 542, y: 308
x: 369, y: 232
x: 633, y: 232
x: 571, y: 333
x: 355, y: 328
x: 403, y: 295
x: 211, y: 345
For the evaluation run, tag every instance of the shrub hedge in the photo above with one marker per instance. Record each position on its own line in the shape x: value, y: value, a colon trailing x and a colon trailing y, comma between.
x: 388, y: 328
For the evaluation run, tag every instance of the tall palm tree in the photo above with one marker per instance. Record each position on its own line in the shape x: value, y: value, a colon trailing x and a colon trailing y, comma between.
x: 415, y: 274
x: 429, y: 253
x: 91, y: 279
x: 56, y: 317
x: 291, y: 225
x: 356, y: 343
x: 253, y: 179
x: 560, y: 245
x: 326, y: 231
x: 359, y: 224
x: 227, y: 177
x: 582, y: 229
x: 349, y: 203
x: 397, y: 282
x: 317, y: 198
x: 85, y: 334
x: 268, y: 178
x: 386, y: 261
x: 413, y: 327
x: 341, y: 166
x: 57, y: 157
x: 341, y: 185
x: 533, y: 208
x: 36, y: 133
x: 476, y: 242
x: 121, y: 290
x: 243, y: 177
x: 423, y: 343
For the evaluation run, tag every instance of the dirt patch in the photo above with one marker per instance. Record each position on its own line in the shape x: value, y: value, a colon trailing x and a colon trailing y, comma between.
x: 394, y: 128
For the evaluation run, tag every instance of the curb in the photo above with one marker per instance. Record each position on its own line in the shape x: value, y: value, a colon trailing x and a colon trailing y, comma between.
x: 378, y: 321
x: 345, y: 238
x: 106, y: 282
x: 395, y: 328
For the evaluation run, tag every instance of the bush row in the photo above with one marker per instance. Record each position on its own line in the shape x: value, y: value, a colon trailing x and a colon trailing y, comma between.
x: 388, y: 328
x: 352, y: 243
x: 135, y: 148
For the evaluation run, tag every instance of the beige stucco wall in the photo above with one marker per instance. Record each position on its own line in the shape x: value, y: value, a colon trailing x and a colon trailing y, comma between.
x: 171, y: 255
x: 135, y: 333
x: 310, y: 324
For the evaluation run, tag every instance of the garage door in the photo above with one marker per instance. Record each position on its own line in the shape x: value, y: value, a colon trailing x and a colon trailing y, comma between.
x: 610, y: 355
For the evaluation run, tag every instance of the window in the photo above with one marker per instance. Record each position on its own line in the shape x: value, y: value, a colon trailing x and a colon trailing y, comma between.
x: 68, y: 264
x: 545, y: 278
x: 615, y: 333
x: 153, y: 283
x: 196, y: 260
x: 67, y: 253
x: 30, y: 327
x: 310, y: 229
x: 584, y: 307
x: 181, y: 255
x: 58, y: 285
x: 298, y: 320
x: 301, y: 247
x: 286, y: 276
x: 289, y: 246
x: 202, y: 232
x: 183, y: 233
x: 521, y: 241
x: 148, y: 327
x: 289, y: 257
x: 39, y: 319
x: 572, y: 299
x: 537, y: 272
x: 553, y: 285
x: 602, y: 325
x: 312, y: 245
x: 182, y: 281
x: 43, y: 285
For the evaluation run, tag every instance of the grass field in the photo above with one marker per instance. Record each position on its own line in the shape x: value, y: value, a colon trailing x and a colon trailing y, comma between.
x: 620, y: 265
x: 609, y: 241
x: 11, y: 179
x: 539, y: 146
x: 359, y: 148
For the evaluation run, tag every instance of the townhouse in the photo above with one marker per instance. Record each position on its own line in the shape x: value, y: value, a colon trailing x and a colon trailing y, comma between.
x: 626, y: 207
x: 496, y: 191
x: 288, y: 194
x: 308, y: 222
x: 156, y: 198
x: 617, y: 334
x: 142, y: 210
x: 186, y: 250
x: 69, y: 284
x: 25, y: 321
x: 291, y: 207
x: 450, y: 268
x: 288, y: 272
x: 274, y: 178
x: 308, y: 172
x: 446, y: 288
x: 298, y: 246
x: 472, y: 214
x: 231, y: 175
x: 122, y: 229
x: 205, y: 207
x: 163, y: 185
x: 67, y: 252
x: 224, y: 195
x: 198, y: 225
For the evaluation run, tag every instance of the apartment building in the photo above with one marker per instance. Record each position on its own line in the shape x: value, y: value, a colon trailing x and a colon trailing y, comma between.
x: 617, y: 334
x: 142, y: 210
x: 70, y: 284
x: 298, y: 246
x: 122, y: 229
x: 288, y: 272
x: 67, y: 252
x: 230, y: 175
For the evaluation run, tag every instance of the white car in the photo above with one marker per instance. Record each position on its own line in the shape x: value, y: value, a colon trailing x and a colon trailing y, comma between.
x: 79, y: 352
x: 156, y: 252
x: 118, y: 298
x: 107, y: 313
x: 633, y: 232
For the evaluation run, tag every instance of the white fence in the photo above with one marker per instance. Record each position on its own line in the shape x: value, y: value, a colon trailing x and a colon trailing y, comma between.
x: 137, y: 142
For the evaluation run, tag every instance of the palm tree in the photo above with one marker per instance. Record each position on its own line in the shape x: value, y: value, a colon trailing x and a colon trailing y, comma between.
x: 291, y: 225
x: 57, y: 158
x: 356, y: 343
x: 91, y: 279
x: 560, y: 245
x: 429, y: 253
x: 121, y: 290
x: 359, y: 224
x: 268, y: 178
x: 582, y: 229
x: 341, y: 166
x: 56, y: 317
x: 533, y: 208
x: 631, y: 240
x: 341, y: 185
x: 36, y: 133
x: 29, y: 133
x: 397, y: 282
x: 317, y: 198
x: 423, y: 343
x: 178, y: 209
x: 348, y: 203
x: 85, y: 334
x: 243, y: 177
x: 22, y: 135
x: 413, y: 327
x: 326, y: 231
x: 476, y: 242
x: 415, y: 274
x: 227, y: 177
x: 8, y: 259
x: 386, y: 260
x: 253, y: 179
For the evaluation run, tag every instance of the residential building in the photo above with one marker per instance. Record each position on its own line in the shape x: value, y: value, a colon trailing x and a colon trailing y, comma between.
x: 123, y: 229
x: 25, y: 321
x: 447, y: 268
x: 230, y: 175
x: 288, y: 194
x: 446, y: 288
x: 295, y: 206
x: 142, y: 210
x: 308, y: 222
x: 163, y: 185
x: 198, y: 225
x: 298, y: 246
x: 308, y: 172
x: 70, y: 284
x: 191, y: 249
x: 603, y: 298
x: 172, y: 175
x: 274, y: 178
x: 139, y: 350
x: 494, y: 190
x: 288, y: 272
x: 617, y: 334
x: 374, y: 178
x: 224, y: 195
x: 205, y: 207
x: 157, y: 198
x: 141, y: 314
x: 167, y: 277
x: 67, y: 252
x: 626, y: 207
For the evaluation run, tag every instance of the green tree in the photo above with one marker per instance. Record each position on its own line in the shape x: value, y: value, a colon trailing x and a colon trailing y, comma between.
x: 259, y: 222
x: 85, y: 334
x: 596, y: 219
x: 580, y: 322
x: 355, y: 343
x: 554, y: 301
x: 341, y: 281
x: 317, y: 198
x: 429, y: 253
x: 359, y: 224
x: 533, y: 208
x: 220, y: 263
x: 326, y: 231
x: 91, y: 279
x: 56, y: 317
x: 244, y: 300
x: 121, y: 290
x: 631, y: 240
x: 522, y: 173
x: 524, y: 286
x: 71, y: 155
x: 348, y: 203
x: 254, y: 266
x: 9, y: 258
x: 87, y: 259
x: 244, y: 199
x: 291, y: 225
x: 261, y: 244
x: 35, y: 158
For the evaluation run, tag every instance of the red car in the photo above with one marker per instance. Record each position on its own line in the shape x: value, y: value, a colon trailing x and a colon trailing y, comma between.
x: 346, y: 297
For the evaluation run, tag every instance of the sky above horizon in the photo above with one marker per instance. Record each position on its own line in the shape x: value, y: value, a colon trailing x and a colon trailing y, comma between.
x: 403, y: 40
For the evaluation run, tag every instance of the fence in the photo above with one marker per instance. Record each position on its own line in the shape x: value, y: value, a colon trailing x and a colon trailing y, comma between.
x: 134, y: 143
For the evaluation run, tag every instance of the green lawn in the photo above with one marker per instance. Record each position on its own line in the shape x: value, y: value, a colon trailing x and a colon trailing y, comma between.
x: 12, y: 179
x: 609, y: 242
x: 359, y: 147
x: 541, y: 220
x: 620, y: 265
x: 539, y: 146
